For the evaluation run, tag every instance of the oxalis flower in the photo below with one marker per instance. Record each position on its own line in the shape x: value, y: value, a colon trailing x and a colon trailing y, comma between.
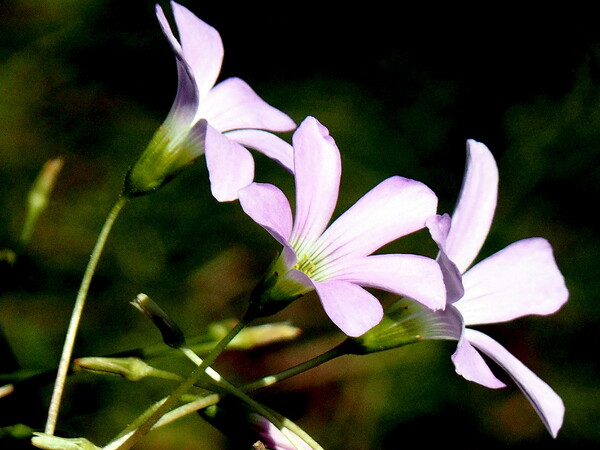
x: 216, y: 120
x: 337, y: 261
x: 519, y: 280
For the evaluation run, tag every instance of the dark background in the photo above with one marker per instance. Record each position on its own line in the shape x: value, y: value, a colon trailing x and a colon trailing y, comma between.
x: 400, y: 92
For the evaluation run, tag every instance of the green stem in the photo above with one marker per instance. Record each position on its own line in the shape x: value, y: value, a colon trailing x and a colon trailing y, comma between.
x: 169, y: 417
x: 282, y: 424
x: 269, y: 380
x: 194, y: 377
x: 67, y: 351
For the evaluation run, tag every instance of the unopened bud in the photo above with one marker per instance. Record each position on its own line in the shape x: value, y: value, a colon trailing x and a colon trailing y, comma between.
x: 49, y: 442
x: 254, y: 336
x: 132, y: 369
x: 171, y: 333
x: 39, y: 194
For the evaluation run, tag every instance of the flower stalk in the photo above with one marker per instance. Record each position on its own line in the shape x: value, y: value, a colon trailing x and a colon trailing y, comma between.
x: 69, y: 343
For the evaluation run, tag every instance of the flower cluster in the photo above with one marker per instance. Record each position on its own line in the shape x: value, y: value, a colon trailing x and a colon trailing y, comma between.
x: 339, y: 258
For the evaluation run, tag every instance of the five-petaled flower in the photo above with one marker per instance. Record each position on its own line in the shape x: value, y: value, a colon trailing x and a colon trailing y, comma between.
x: 337, y: 261
x: 519, y: 280
x: 215, y: 120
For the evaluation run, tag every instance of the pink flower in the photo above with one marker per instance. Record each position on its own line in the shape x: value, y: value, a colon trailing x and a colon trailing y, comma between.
x: 519, y: 280
x: 216, y: 120
x: 337, y: 261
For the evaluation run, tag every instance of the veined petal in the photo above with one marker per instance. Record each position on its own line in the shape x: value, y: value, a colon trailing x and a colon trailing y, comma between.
x: 350, y: 307
x: 230, y: 165
x: 545, y: 401
x: 317, y: 167
x: 519, y: 280
x: 394, y: 208
x: 413, y: 276
x: 470, y: 365
x: 268, y: 144
x: 201, y: 45
x: 268, y: 206
x: 475, y: 208
x: 232, y: 104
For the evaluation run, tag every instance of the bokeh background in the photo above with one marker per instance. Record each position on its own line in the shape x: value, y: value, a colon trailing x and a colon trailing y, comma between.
x: 400, y: 92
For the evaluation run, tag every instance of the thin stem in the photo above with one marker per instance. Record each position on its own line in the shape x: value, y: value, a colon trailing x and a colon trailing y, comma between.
x: 282, y: 424
x: 269, y: 380
x: 67, y: 351
x: 194, y: 377
x: 169, y: 417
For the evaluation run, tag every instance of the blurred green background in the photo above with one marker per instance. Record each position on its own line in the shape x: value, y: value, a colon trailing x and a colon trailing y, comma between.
x: 400, y: 92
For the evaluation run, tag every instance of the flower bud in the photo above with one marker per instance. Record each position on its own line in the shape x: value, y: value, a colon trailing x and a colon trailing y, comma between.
x: 132, y: 369
x: 49, y: 442
x: 253, y: 336
x: 171, y: 333
x: 39, y: 194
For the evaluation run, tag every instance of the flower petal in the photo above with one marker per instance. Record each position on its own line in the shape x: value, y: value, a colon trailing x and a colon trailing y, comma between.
x: 439, y: 226
x: 230, y: 165
x: 413, y: 276
x: 317, y: 167
x: 544, y: 400
x: 475, y: 208
x: 201, y: 45
x: 268, y: 144
x: 349, y: 306
x: 519, y: 280
x: 469, y: 364
x: 186, y: 101
x: 394, y: 208
x: 232, y: 104
x: 268, y: 206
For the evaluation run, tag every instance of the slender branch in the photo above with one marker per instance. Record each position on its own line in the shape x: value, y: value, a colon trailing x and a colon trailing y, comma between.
x: 269, y: 380
x: 67, y: 351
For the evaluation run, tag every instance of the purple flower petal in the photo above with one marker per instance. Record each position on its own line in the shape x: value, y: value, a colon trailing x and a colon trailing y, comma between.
x: 545, y: 401
x: 232, y: 104
x: 394, y: 208
x: 268, y: 207
x: 470, y: 364
x: 317, y: 169
x: 268, y: 144
x: 186, y: 100
x: 201, y: 45
x: 413, y: 276
x: 475, y: 208
x: 519, y: 280
x: 230, y: 165
x: 350, y: 307
x: 439, y: 226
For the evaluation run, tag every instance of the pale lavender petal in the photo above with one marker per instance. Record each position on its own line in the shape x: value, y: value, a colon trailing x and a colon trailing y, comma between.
x: 230, y: 165
x: 519, y: 280
x: 413, y: 276
x: 268, y: 144
x: 394, y: 208
x: 471, y: 365
x: 317, y: 167
x: 544, y: 400
x: 202, y: 48
x: 268, y: 206
x: 475, y: 208
x: 185, y: 106
x: 232, y: 104
x: 350, y: 307
x: 439, y: 226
